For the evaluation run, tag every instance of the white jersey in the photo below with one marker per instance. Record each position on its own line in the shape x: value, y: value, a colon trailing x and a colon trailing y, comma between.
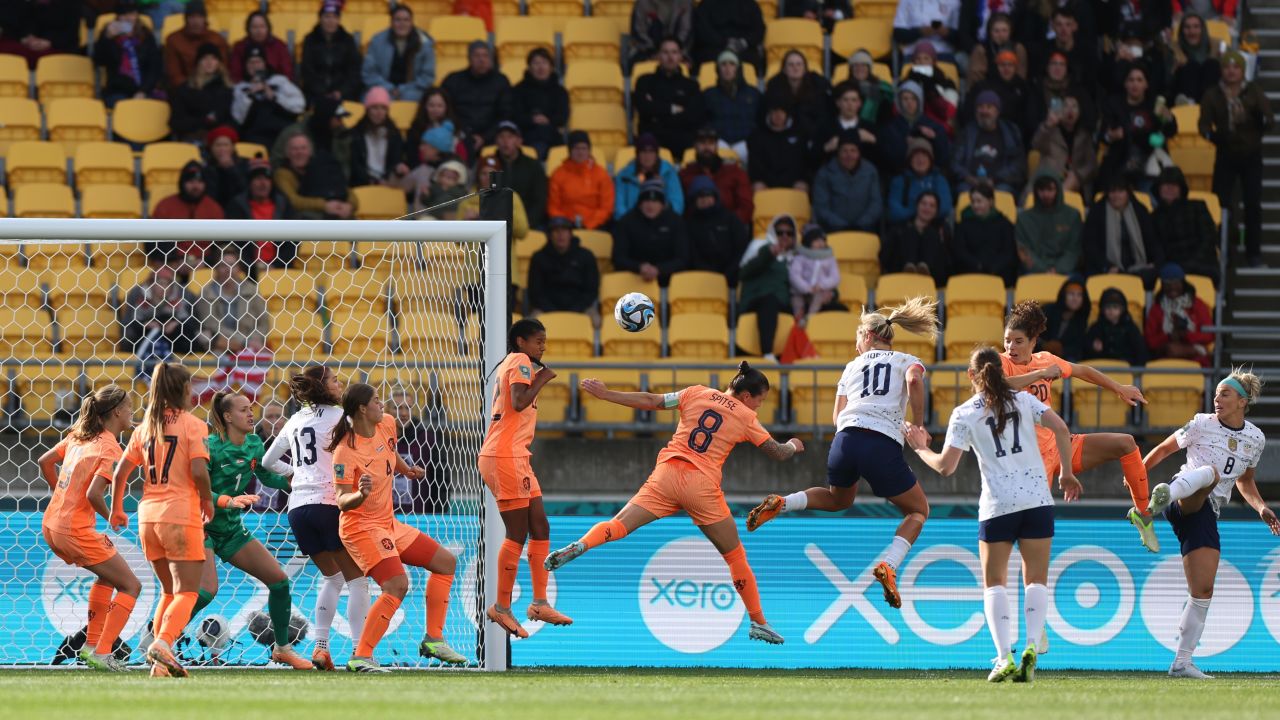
x: 1231, y: 451
x: 306, y: 436
x: 1012, y: 471
x: 874, y: 386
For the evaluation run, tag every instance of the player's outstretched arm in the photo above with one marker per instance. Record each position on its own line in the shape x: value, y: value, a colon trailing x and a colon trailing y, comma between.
x: 944, y: 463
x: 782, y: 451
x: 637, y: 400
x: 1022, y: 382
x: 1158, y: 453
x: 407, y: 470
x: 1248, y: 487
x: 49, y: 467
x: 1092, y: 375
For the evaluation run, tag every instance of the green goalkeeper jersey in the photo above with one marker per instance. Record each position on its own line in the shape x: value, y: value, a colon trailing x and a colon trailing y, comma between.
x: 231, y: 468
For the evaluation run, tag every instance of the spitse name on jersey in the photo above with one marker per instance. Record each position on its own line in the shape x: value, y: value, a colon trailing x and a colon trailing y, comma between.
x: 1230, y: 451
x: 875, y: 385
x: 1012, y: 470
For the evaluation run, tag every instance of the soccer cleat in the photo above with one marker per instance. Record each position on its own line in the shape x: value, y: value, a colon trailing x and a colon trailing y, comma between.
x: 507, y: 621
x: 157, y: 670
x: 285, y: 654
x: 1188, y: 671
x: 559, y: 558
x: 1159, y: 500
x: 1146, y: 529
x: 1004, y: 669
x: 321, y: 659
x: 764, y: 512
x: 100, y: 662
x: 1027, y: 669
x: 440, y: 650
x: 545, y: 613
x: 161, y: 654
x: 762, y: 631
x: 889, y: 579
x: 365, y: 665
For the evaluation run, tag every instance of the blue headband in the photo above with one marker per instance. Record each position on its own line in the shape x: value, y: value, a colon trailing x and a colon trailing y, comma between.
x: 1234, y: 384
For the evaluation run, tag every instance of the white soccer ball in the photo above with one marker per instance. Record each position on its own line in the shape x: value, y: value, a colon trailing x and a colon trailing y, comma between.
x: 214, y: 632
x: 634, y: 312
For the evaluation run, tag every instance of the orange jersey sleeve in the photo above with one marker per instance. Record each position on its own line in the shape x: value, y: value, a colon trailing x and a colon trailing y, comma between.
x: 169, y: 492
x: 69, y: 510
x: 1040, y: 389
x: 375, y: 457
x: 510, y: 432
x: 711, y: 424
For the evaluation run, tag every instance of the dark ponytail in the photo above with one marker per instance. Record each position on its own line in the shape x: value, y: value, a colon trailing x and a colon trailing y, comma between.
x: 356, y: 397
x: 308, y: 387
x: 523, y: 330
x: 989, y: 380
x: 749, y: 381
x: 93, y: 413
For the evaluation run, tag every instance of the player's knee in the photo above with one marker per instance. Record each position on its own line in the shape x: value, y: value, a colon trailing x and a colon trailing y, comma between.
x: 131, y: 587
x: 444, y: 562
x: 396, y: 587
x: 540, y: 530
x: 1127, y: 444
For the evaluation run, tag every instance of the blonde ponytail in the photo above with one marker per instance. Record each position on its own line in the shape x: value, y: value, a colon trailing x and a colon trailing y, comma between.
x: 918, y: 315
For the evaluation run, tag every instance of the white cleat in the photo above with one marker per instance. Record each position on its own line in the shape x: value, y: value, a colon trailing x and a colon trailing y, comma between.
x: 765, y: 633
x: 1188, y: 671
x: 1004, y: 669
x: 1160, y: 499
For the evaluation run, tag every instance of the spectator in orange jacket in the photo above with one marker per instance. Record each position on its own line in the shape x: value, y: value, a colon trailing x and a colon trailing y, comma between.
x: 580, y: 189
x: 732, y: 183
x: 1177, y: 319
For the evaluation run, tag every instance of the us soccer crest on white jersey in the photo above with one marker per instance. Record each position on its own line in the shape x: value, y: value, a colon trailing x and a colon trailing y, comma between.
x: 306, y: 435
x: 1012, y: 470
x: 1231, y: 451
x: 875, y: 387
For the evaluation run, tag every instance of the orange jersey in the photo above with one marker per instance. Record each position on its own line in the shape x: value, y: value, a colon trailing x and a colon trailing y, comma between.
x: 373, y: 456
x: 82, y: 460
x: 1039, y: 389
x: 711, y: 424
x: 510, y: 432
x: 169, y: 492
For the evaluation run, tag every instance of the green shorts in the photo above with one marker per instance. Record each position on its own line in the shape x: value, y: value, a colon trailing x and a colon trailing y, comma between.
x: 227, y: 543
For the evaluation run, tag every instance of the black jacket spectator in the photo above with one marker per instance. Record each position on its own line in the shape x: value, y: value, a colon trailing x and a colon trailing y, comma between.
x: 132, y: 63
x: 1015, y: 100
x: 563, y: 280
x: 1195, y: 61
x: 330, y: 64
x: 392, y: 154
x: 53, y: 26
x: 1033, y: 21
x: 1118, y: 340
x: 985, y: 244
x: 1067, y: 321
x: 476, y: 93
x: 659, y: 241
x: 1129, y: 119
x: 669, y: 105
x: 1184, y: 227
x: 717, y: 238
x: 779, y: 154
x: 161, y: 305
x: 539, y: 97
x: 201, y: 103
x: 907, y: 122
x: 806, y: 94
x: 1109, y: 238
x: 919, y: 245
x: 524, y: 175
x: 719, y: 25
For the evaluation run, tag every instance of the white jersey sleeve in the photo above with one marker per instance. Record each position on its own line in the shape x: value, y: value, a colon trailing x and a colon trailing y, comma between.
x: 1013, y: 476
x: 1230, y: 451
x: 307, y: 435
x: 874, y: 386
x: 273, y: 459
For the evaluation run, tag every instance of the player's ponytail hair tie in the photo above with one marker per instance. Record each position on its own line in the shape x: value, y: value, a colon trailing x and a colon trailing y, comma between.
x: 96, y: 409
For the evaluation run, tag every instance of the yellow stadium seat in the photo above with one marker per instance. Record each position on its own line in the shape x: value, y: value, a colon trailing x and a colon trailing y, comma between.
x: 556, y: 13
x: 875, y: 35
x: 645, y: 67
x: 288, y: 290
x: 786, y: 34
x: 172, y: 24
x: 73, y: 121
x: 35, y: 162
x: 880, y: 70
x: 123, y: 260
x: 55, y: 258
x: 1219, y: 31
x: 20, y: 286
x: 105, y: 19
x: 251, y: 150
x: 708, y: 75
x: 616, y: 284
x: 747, y: 335
x: 379, y: 202
x: 401, y: 114
x: 1095, y: 407
x: 975, y: 294
x: 453, y: 33
x: 772, y: 202
x: 919, y: 345
x: 140, y: 120
x: 1210, y: 201
x: 103, y: 163
x: 588, y: 39
x: 812, y: 392
x: 78, y: 288
x: 1041, y: 287
x: 64, y: 76
x: 626, y: 154
x: 15, y: 78
x: 355, y: 111
x: 695, y: 291
x: 558, y: 154
x: 835, y: 335
x: 569, y: 335
x: 877, y: 8
x: 515, y: 37
x: 321, y: 257
x: 1005, y: 204
x: 1196, y: 164
x: 947, y: 389
x: 42, y: 389
x: 19, y: 120
x: 895, y: 288
x: 524, y: 250
x: 858, y: 253
x: 47, y: 200
x: 698, y: 336
x: 26, y: 330
x: 606, y: 123
x: 422, y: 9
x: 369, y: 25
x: 1188, y: 117
x: 295, y: 332
x: 594, y: 81
x: 360, y: 286
x: 358, y: 330
x: 162, y: 164
x: 429, y: 334
x: 617, y: 343
x: 446, y: 66
x: 1130, y: 285
x: 965, y: 333
x: 111, y: 201
x: 853, y: 291
x: 1171, y: 399
x: 86, y: 330
x: 950, y: 70
x: 618, y: 11
x: 600, y: 243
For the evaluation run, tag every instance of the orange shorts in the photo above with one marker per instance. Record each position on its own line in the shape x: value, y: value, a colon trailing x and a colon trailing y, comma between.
x: 511, y: 480
x: 166, y: 541
x: 370, y: 545
x: 1052, y: 462
x: 677, y: 485
x: 84, y: 548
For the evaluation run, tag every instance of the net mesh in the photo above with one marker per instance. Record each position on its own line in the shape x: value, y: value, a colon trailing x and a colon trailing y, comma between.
x: 404, y: 317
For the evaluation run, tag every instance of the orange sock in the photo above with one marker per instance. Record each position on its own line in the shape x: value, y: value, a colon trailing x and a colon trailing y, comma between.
x: 177, y: 616
x: 508, y: 566
x: 438, y: 602
x: 744, y: 581
x: 117, y: 616
x: 157, y: 620
x: 376, y: 623
x: 1135, y: 477
x: 604, y: 532
x: 99, y: 602
x: 538, y: 551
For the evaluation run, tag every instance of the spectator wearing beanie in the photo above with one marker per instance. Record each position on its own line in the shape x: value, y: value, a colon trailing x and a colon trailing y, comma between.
x: 779, y: 152
x: 920, y: 175
x: 667, y: 103
x: 846, y: 191
x: 731, y: 181
x: 732, y: 106
x: 815, y: 277
x: 650, y: 240
x: 377, y: 148
x: 330, y: 58
x: 984, y: 239
x: 1184, y: 227
x: 191, y: 202
x: 1177, y: 320
x: 941, y: 97
x: 434, y: 147
x: 522, y: 173
x: 580, y: 189
x: 539, y: 104
x: 647, y: 165
x: 257, y: 28
x: 989, y: 149
x: 203, y: 101
x: 1012, y: 89
x: 181, y: 47
x: 448, y: 184
x: 877, y: 95
x: 226, y: 173
x: 764, y: 282
x: 999, y: 38
x: 563, y: 275
x: 717, y: 237
x: 262, y: 201
x: 469, y: 209
x: 1115, y: 336
x: 910, y: 121
x: 266, y: 102
x: 1119, y: 237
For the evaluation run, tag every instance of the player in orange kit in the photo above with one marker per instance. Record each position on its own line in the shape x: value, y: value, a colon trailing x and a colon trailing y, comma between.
x: 504, y: 465
x: 171, y: 447
x: 365, y: 463
x: 1034, y: 372
x: 688, y: 474
x: 87, y: 455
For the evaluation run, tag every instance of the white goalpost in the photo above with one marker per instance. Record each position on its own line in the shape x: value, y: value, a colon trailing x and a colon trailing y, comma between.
x: 416, y: 309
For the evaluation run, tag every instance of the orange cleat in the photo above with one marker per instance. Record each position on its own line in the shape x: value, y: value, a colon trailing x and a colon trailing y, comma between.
x: 161, y: 654
x: 889, y: 579
x: 321, y: 659
x: 764, y: 512
x: 547, y: 614
x: 286, y: 655
x: 507, y: 621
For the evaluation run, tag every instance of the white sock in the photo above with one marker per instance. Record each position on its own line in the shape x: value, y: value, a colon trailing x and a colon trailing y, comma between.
x: 995, y: 603
x: 1190, y: 628
x: 327, y: 606
x: 357, y: 605
x: 1190, y: 482
x: 1035, y: 607
x: 896, y: 551
x: 795, y: 501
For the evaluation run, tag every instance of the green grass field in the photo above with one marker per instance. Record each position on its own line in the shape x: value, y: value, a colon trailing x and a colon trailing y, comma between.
x: 617, y: 694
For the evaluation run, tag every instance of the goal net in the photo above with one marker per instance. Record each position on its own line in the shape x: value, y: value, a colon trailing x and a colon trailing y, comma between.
x: 416, y: 309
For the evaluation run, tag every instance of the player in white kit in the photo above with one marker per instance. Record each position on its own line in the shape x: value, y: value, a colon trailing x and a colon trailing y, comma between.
x: 313, y: 503
x: 1222, y: 450
x: 999, y: 425
x: 871, y: 400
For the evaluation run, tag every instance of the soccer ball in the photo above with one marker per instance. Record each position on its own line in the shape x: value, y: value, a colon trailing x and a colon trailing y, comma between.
x: 214, y: 632
x: 634, y: 312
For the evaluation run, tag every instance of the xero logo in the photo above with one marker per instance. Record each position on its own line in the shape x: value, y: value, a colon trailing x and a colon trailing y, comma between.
x: 687, y: 598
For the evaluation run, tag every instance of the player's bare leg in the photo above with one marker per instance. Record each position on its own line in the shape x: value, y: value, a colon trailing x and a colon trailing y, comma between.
x: 630, y: 517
